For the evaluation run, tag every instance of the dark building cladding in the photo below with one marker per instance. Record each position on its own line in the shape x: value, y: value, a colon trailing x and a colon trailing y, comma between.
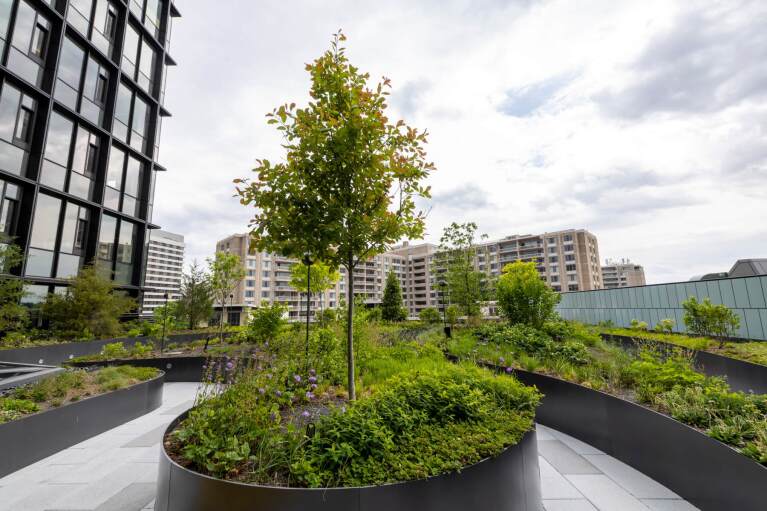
x: 82, y: 86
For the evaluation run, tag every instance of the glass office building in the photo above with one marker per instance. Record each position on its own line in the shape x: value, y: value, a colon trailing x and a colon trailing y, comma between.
x: 81, y: 103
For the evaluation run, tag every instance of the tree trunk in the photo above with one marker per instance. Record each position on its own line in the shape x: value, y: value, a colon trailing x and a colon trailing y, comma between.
x: 350, y: 330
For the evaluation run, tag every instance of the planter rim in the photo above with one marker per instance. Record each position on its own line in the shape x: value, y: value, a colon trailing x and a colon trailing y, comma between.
x: 160, y: 375
x: 639, y: 405
x: 183, y: 416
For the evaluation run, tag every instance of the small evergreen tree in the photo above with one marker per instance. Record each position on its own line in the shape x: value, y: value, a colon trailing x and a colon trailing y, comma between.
x: 391, y: 304
x: 90, y: 307
x: 13, y: 315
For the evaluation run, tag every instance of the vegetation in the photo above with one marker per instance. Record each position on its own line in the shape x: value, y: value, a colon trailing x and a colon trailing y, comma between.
x: 429, y: 315
x: 523, y: 297
x: 89, y: 307
x: 14, y: 317
x: 451, y: 315
x: 226, y: 272
x: 322, y: 276
x: 391, y: 304
x: 709, y: 320
x: 346, y: 189
x: 462, y: 284
x: 68, y: 387
x: 196, y: 303
x: 266, y: 321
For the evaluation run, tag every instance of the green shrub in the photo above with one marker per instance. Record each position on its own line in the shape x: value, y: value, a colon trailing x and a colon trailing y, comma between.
x: 114, y: 350
x: 451, y: 315
x: 523, y: 297
x: 665, y: 326
x: 709, y: 320
x: 651, y: 376
x: 266, y: 322
x: 638, y: 325
x: 429, y: 315
x: 140, y: 350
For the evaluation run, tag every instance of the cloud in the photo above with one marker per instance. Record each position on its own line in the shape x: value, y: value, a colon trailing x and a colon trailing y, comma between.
x: 527, y: 100
x: 706, y: 61
x: 464, y: 198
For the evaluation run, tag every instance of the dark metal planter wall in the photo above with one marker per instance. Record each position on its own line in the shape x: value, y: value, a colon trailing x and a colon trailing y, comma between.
x: 705, y: 472
x: 177, y: 369
x: 37, y: 436
x: 55, y: 354
x: 741, y: 375
x: 508, y: 482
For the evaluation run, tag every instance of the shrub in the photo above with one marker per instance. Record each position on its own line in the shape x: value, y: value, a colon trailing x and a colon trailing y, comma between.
x: 638, y: 325
x: 709, y: 320
x: 391, y: 304
x: 523, y: 297
x: 652, y: 376
x: 665, y: 326
x: 266, y: 321
x: 429, y: 315
x: 141, y: 350
x: 451, y: 315
x: 114, y: 350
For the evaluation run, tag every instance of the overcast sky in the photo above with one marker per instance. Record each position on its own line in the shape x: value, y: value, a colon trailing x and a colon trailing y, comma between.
x: 643, y: 121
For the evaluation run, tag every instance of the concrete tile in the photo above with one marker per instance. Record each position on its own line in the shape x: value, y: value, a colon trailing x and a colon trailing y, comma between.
x: 103, y: 486
x: 131, y: 498
x: 554, y: 485
x: 638, y: 484
x: 669, y: 505
x: 178, y: 409
x: 149, y: 507
x: 147, y: 439
x: 543, y: 433
x: 568, y: 505
x: 564, y: 459
x: 575, y: 444
x: 37, y: 497
x: 605, y: 493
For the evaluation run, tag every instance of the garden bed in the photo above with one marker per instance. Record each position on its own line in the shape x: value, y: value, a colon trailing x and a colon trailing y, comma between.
x: 741, y: 375
x: 70, y: 416
x: 508, y: 482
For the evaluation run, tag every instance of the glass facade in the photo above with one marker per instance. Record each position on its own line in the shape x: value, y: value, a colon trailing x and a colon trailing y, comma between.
x: 79, y: 128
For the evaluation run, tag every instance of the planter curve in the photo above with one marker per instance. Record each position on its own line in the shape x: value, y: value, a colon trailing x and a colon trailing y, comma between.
x: 741, y: 375
x: 703, y: 471
x: 176, y: 369
x: 32, y: 438
x: 508, y: 482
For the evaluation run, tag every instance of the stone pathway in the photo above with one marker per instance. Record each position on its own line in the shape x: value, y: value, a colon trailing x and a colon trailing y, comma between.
x: 116, y: 471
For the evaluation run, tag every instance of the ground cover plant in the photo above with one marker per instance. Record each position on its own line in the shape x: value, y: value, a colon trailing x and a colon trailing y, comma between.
x: 748, y: 351
x: 416, y: 414
x: 664, y: 381
x: 68, y: 387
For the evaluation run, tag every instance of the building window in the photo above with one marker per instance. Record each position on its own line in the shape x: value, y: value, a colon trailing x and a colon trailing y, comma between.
x: 29, y: 46
x: 554, y: 278
x: 131, y: 111
x: 10, y: 196
x: 568, y: 248
x: 250, y: 294
x: 124, y: 268
x: 572, y: 287
x: 74, y: 233
x: 17, y: 115
x: 567, y: 237
x: 552, y: 250
x: 569, y: 267
x: 250, y: 283
x: 61, y: 148
x: 139, y: 59
x: 553, y: 259
x: 79, y: 15
x: 570, y: 257
x: 104, y: 28
x: 42, y: 243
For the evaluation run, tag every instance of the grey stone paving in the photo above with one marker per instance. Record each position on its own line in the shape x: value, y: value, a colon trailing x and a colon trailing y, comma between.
x: 116, y: 471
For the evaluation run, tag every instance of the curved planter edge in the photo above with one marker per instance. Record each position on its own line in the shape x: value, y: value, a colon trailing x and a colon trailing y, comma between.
x: 54, y: 354
x: 176, y: 369
x: 702, y: 470
x: 741, y: 375
x: 507, y: 482
x: 32, y: 438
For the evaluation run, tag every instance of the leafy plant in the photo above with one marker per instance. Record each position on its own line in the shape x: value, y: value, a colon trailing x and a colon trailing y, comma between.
x: 429, y: 315
x: 665, y: 325
x: 709, y: 320
x: 114, y: 350
x: 266, y: 321
x: 226, y: 273
x: 638, y: 325
x: 196, y: 302
x: 391, y: 303
x: 523, y: 297
x: 13, y: 316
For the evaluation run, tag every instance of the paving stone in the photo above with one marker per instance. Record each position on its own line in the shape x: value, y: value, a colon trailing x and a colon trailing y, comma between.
x: 178, y: 410
x: 569, y: 505
x: 564, y: 459
x: 638, y: 484
x: 575, y: 444
x: 554, y: 485
x: 131, y: 498
x: 150, y: 438
x: 543, y: 433
x: 669, y: 505
x: 605, y: 493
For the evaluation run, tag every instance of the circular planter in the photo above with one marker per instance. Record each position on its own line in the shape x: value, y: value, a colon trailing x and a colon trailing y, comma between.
x: 703, y: 471
x: 507, y: 482
x: 741, y: 375
x: 176, y: 369
x: 37, y: 436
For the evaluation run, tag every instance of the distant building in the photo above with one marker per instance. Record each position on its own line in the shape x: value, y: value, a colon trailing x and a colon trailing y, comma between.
x: 622, y: 273
x: 741, y: 268
x: 164, y: 268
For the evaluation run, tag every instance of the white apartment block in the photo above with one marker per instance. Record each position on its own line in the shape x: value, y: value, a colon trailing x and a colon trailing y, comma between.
x: 164, y: 268
x: 567, y: 260
x: 622, y: 273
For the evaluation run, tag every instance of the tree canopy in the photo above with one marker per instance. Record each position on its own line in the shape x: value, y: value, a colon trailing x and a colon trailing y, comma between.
x: 391, y: 303
x: 523, y: 297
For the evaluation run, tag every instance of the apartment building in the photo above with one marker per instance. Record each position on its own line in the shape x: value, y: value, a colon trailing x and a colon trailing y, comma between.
x: 622, y: 273
x: 567, y: 260
x: 164, y: 268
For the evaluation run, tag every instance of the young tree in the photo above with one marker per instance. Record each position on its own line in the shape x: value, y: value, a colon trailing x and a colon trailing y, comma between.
x: 391, y: 304
x: 322, y: 277
x: 429, y: 315
x: 451, y: 315
x: 454, y: 265
x: 90, y: 306
x: 196, y: 302
x: 523, y: 297
x: 345, y: 191
x: 709, y: 320
x: 226, y: 273
x: 13, y: 315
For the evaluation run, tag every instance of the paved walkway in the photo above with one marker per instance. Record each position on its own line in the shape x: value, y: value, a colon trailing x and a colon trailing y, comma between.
x: 116, y: 471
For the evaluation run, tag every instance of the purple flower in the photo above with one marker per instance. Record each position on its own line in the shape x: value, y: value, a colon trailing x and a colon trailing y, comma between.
x: 312, y: 379
x: 268, y: 376
x: 501, y: 360
x: 309, y: 395
x: 508, y: 370
x: 273, y: 416
x: 229, y: 366
x: 305, y: 414
x: 313, y: 386
x: 312, y: 372
x: 297, y: 378
x: 262, y: 390
x: 278, y: 393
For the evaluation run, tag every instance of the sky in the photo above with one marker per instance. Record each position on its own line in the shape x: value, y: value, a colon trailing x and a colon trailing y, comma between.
x: 644, y: 121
